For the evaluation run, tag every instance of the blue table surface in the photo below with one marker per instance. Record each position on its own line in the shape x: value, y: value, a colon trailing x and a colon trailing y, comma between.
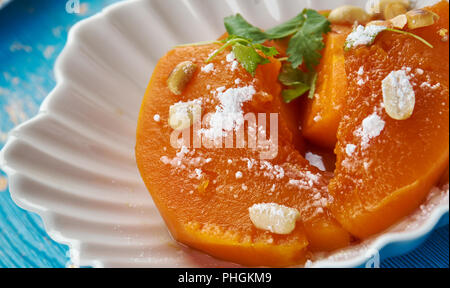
x: 32, y: 34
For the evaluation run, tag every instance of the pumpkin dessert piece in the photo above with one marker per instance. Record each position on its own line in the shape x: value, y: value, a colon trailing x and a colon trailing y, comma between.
x: 322, y: 114
x: 239, y: 204
x: 393, y: 141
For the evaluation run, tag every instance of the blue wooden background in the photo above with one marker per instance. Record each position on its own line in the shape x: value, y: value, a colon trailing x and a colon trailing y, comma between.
x: 32, y: 34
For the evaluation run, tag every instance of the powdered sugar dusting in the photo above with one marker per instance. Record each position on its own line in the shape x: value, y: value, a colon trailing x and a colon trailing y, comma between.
x: 232, y: 59
x: 271, y: 171
x: 315, y: 160
x: 361, y: 80
x: 371, y: 127
x: 363, y: 35
x: 350, y: 149
x: 307, y: 183
x: 229, y: 114
x: 208, y: 68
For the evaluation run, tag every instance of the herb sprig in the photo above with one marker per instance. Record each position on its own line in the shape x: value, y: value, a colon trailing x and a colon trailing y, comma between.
x: 306, y: 29
x: 298, y: 81
x: 306, y: 32
x: 411, y: 35
x: 246, y: 52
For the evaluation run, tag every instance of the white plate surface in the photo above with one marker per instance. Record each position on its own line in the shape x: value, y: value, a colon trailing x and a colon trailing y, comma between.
x: 74, y: 163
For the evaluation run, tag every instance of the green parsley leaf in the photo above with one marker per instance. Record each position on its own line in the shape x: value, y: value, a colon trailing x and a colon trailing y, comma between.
x: 308, y: 41
x: 238, y: 26
x: 248, y: 57
x: 306, y: 29
x: 290, y: 76
x: 246, y: 52
x: 286, y: 29
x: 295, y: 92
x: 312, y: 85
x: 299, y: 82
x: 267, y: 51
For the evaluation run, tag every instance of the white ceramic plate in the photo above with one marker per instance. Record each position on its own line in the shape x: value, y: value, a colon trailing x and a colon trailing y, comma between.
x: 4, y: 2
x: 74, y: 163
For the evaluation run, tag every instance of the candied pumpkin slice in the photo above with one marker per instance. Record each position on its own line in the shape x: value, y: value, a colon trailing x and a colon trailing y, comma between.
x: 386, y: 167
x: 204, y: 194
x: 323, y: 112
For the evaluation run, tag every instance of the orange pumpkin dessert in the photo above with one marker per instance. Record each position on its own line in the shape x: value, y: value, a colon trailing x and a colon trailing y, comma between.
x: 222, y: 150
x: 386, y: 167
x: 204, y: 194
x: 323, y: 112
